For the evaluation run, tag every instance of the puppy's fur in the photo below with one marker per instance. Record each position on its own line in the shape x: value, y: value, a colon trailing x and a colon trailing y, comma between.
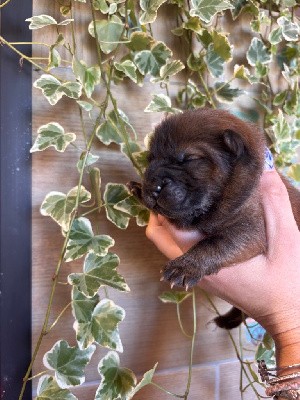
x: 204, y: 170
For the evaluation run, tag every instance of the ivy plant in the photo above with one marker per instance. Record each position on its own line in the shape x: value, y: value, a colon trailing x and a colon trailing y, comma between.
x: 208, y: 75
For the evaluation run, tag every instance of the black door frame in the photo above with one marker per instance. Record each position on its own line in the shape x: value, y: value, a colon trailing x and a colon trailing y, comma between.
x: 15, y: 202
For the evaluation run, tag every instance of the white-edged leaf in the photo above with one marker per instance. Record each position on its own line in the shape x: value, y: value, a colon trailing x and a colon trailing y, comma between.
x: 88, y: 77
x: 60, y: 206
x: 149, y: 10
x: 48, y: 389
x: 116, y: 382
x: 258, y: 53
x: 161, y: 103
x: 225, y: 93
x: 146, y: 380
x: 275, y: 35
x: 129, y: 69
x: 207, y: 9
x: 290, y: 30
x: 52, y: 134
x: 98, y: 271
x: 133, y: 207
x: 114, y: 193
x: 150, y: 61
x: 108, y: 34
x: 68, y: 363
x: 170, y: 69
x: 82, y: 241
x: 40, y: 21
x: 102, y: 324
x: 281, y: 128
x: 90, y: 160
x: 214, y: 62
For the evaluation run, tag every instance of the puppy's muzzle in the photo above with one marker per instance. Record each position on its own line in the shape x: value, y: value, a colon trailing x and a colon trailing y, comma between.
x: 166, y: 193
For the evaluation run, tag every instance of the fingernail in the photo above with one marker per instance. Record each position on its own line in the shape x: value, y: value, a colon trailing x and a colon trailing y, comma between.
x: 269, y: 161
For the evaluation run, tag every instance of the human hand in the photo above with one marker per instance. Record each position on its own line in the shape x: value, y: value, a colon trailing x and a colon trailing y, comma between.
x: 267, y: 287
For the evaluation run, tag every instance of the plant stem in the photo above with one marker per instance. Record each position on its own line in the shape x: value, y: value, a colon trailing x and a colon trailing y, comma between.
x: 208, y: 94
x: 192, y: 345
x: 58, y: 318
x: 37, y: 375
x: 167, y: 391
x: 180, y: 322
x: 4, y: 4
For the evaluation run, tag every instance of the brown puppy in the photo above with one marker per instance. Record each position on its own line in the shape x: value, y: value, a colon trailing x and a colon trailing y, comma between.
x: 204, y: 170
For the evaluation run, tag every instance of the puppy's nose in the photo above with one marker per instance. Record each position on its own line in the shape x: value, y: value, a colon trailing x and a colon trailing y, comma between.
x: 156, y: 191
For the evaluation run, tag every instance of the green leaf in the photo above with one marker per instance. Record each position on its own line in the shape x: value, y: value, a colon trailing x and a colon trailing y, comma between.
x: 146, y: 380
x: 108, y: 34
x: 88, y: 77
x: 90, y: 160
x: 54, y: 58
x: 290, y: 30
x: 48, y: 389
x: 206, y: 9
x: 128, y: 68
x: 170, y: 69
x: 83, y: 306
x: 214, y: 62
x: 133, y: 207
x: 101, y: 5
x: 107, y: 133
x: 116, y: 382
x: 161, y: 103
x: 140, y: 41
x: 114, y: 193
x: 174, y: 297
x: 149, y: 8
x: 258, y: 53
x: 52, y: 134
x: 103, y: 327
x: 275, y: 36
x: 193, y: 24
x: 98, y: 271
x: 281, y: 128
x: 221, y: 45
x: 40, y: 21
x: 85, y: 105
x: 280, y: 98
x: 226, y: 94
x: 53, y: 89
x: 60, y: 207
x: 82, y: 240
x: 68, y: 363
x: 150, y: 61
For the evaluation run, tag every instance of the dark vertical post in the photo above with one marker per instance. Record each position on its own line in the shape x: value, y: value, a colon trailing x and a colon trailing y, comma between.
x: 15, y: 201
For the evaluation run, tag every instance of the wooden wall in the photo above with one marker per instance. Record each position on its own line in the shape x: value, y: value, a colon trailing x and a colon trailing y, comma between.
x: 150, y: 331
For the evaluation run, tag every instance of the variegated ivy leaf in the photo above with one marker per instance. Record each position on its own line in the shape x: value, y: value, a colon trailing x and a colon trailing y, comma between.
x: 258, y: 53
x: 114, y: 193
x: 40, y: 21
x: 207, y: 9
x: 140, y: 41
x: 85, y: 105
x: 116, y: 382
x: 294, y: 172
x: 82, y: 306
x: 98, y: 271
x: 52, y: 134
x: 90, y: 160
x: 68, y: 363
x: 225, y: 93
x: 110, y: 131
x: 214, y: 62
x: 174, y: 297
x: 150, y: 61
x: 290, y: 30
x: 60, y: 206
x: 242, y: 72
x: 161, y: 103
x: 108, y: 33
x: 88, y: 77
x: 221, y: 45
x: 149, y: 8
x: 133, y: 207
x: 82, y: 240
x: 53, y: 89
x: 101, y: 5
x: 170, y: 69
x: 128, y: 68
x: 281, y: 128
x: 101, y: 326
x: 275, y: 36
x: 48, y: 389
x: 146, y: 380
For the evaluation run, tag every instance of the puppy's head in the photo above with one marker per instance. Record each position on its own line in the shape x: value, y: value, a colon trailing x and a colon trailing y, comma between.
x: 197, y: 160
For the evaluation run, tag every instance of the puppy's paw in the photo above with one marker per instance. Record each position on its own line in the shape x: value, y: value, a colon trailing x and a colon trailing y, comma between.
x: 135, y: 189
x: 178, y: 273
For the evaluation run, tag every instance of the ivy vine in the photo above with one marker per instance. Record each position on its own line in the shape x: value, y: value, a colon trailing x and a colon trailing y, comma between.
x: 127, y: 49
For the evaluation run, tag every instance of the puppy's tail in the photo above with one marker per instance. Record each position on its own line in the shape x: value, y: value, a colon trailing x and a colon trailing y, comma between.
x: 232, y: 319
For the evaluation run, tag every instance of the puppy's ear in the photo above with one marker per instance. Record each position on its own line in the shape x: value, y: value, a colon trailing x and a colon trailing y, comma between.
x: 234, y: 142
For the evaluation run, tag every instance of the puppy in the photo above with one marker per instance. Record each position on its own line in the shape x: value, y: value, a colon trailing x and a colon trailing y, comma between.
x: 203, y: 173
